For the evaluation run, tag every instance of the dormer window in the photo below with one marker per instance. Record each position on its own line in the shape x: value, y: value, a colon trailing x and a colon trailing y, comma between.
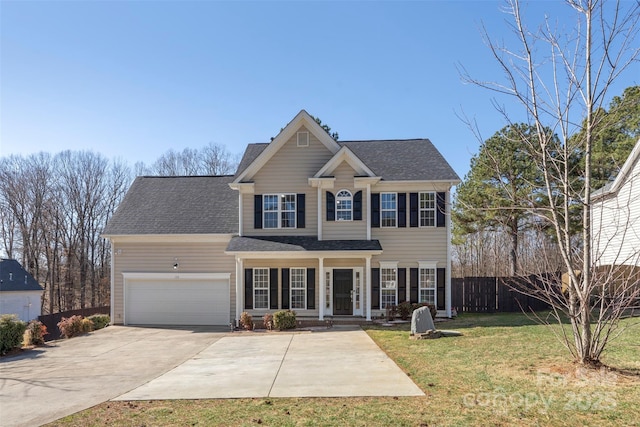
x: 303, y: 139
x: 344, y: 206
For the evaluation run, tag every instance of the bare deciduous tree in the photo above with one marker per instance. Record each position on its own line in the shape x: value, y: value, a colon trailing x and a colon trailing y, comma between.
x: 560, y: 80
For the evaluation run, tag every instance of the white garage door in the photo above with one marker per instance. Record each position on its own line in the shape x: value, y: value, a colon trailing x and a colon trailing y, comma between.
x: 177, y: 302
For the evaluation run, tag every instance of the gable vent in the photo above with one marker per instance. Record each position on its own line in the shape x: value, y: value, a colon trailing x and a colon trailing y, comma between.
x: 303, y: 139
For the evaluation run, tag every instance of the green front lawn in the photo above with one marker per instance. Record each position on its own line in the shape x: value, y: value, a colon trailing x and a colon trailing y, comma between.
x: 505, y: 370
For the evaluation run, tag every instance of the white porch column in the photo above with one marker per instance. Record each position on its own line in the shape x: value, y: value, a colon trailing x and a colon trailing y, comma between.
x: 239, y: 213
x: 321, y: 287
x: 447, y: 276
x: 319, y: 213
x: 239, y: 293
x: 368, y: 214
x: 368, y: 287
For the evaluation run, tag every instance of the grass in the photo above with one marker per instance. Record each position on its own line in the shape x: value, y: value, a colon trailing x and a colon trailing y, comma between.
x: 505, y: 370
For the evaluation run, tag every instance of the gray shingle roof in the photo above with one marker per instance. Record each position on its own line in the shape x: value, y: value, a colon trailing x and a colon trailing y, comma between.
x: 13, y: 277
x: 393, y: 160
x: 177, y: 205
x: 298, y: 243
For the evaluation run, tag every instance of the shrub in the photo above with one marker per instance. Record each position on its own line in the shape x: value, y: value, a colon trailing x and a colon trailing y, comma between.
x: 404, y: 310
x: 284, y: 319
x: 11, y: 332
x: 391, y: 312
x: 267, y: 319
x: 246, y: 320
x: 34, y: 334
x: 99, y: 321
x: 74, y: 326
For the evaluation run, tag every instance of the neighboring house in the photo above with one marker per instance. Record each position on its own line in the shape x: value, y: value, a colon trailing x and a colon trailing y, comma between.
x: 616, y: 217
x: 321, y: 227
x: 20, y: 292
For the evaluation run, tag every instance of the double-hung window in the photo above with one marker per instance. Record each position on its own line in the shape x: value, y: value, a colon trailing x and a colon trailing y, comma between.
x: 279, y: 210
x: 343, y: 205
x: 427, y: 209
x: 260, y: 288
x: 427, y: 283
x: 388, y: 209
x: 298, y: 288
x: 388, y: 286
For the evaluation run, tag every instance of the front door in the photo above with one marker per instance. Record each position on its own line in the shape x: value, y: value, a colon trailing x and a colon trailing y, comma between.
x: 342, y: 287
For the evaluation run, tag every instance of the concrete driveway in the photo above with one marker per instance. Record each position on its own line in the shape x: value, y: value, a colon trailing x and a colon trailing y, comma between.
x: 67, y: 376
x: 128, y: 363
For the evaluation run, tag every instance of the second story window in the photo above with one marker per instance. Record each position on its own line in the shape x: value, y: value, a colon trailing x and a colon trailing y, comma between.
x: 343, y: 206
x: 427, y: 209
x: 388, y: 209
x: 279, y: 210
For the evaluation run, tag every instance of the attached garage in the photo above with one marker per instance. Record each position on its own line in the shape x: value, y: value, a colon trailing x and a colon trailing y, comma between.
x: 176, y: 299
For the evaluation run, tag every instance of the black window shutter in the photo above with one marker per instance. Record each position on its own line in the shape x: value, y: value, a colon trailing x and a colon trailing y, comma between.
x: 311, y: 288
x: 248, y: 289
x: 375, y: 288
x: 440, y: 210
x: 402, y: 285
x: 331, y: 206
x: 285, y: 288
x: 357, y: 206
x: 413, y: 209
x: 300, y: 210
x: 375, y: 209
x: 413, y: 293
x: 402, y: 209
x: 273, y: 288
x: 441, y: 288
x: 257, y: 211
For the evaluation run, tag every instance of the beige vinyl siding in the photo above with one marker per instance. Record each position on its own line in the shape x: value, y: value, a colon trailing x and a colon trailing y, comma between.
x: 344, y: 230
x: 616, y: 225
x: 160, y: 257
x: 288, y: 171
x: 279, y: 264
x: 410, y: 245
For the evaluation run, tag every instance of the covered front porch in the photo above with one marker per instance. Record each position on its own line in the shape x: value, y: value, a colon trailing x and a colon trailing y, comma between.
x: 319, y: 279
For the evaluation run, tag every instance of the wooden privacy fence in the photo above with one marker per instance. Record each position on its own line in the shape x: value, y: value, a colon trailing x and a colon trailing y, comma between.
x: 492, y: 295
x: 51, y: 320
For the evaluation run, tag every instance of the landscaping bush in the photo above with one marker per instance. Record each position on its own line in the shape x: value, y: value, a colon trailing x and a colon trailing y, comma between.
x: 74, y: 326
x: 284, y: 319
x: 34, y: 334
x: 404, y: 310
x: 11, y: 332
x: 99, y: 321
x: 246, y: 320
x: 267, y: 319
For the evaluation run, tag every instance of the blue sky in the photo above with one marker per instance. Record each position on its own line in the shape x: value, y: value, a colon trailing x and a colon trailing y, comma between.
x: 132, y: 79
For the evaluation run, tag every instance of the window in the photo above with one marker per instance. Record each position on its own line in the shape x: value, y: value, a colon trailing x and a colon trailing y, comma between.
x: 303, y: 139
x: 427, y: 286
x: 298, y: 288
x: 260, y: 288
x: 343, y: 205
x: 388, y: 212
x: 279, y: 210
x: 427, y: 209
x: 388, y: 287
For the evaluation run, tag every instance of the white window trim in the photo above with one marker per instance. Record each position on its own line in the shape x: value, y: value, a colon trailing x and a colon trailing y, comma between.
x: 389, y: 210
x: 304, y: 142
x: 391, y: 265
x: 304, y: 277
x: 280, y: 211
x: 344, y: 210
x: 253, y: 287
x: 432, y: 265
x: 435, y: 210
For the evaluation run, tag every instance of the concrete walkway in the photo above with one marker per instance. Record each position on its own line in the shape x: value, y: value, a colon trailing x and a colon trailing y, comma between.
x: 342, y: 361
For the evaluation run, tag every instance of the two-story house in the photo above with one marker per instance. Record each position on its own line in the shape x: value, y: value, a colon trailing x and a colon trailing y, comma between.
x: 307, y: 223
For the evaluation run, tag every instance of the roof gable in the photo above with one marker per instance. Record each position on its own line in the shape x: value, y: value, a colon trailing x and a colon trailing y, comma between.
x: 344, y: 155
x: 625, y: 174
x: 13, y: 277
x: 301, y: 119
